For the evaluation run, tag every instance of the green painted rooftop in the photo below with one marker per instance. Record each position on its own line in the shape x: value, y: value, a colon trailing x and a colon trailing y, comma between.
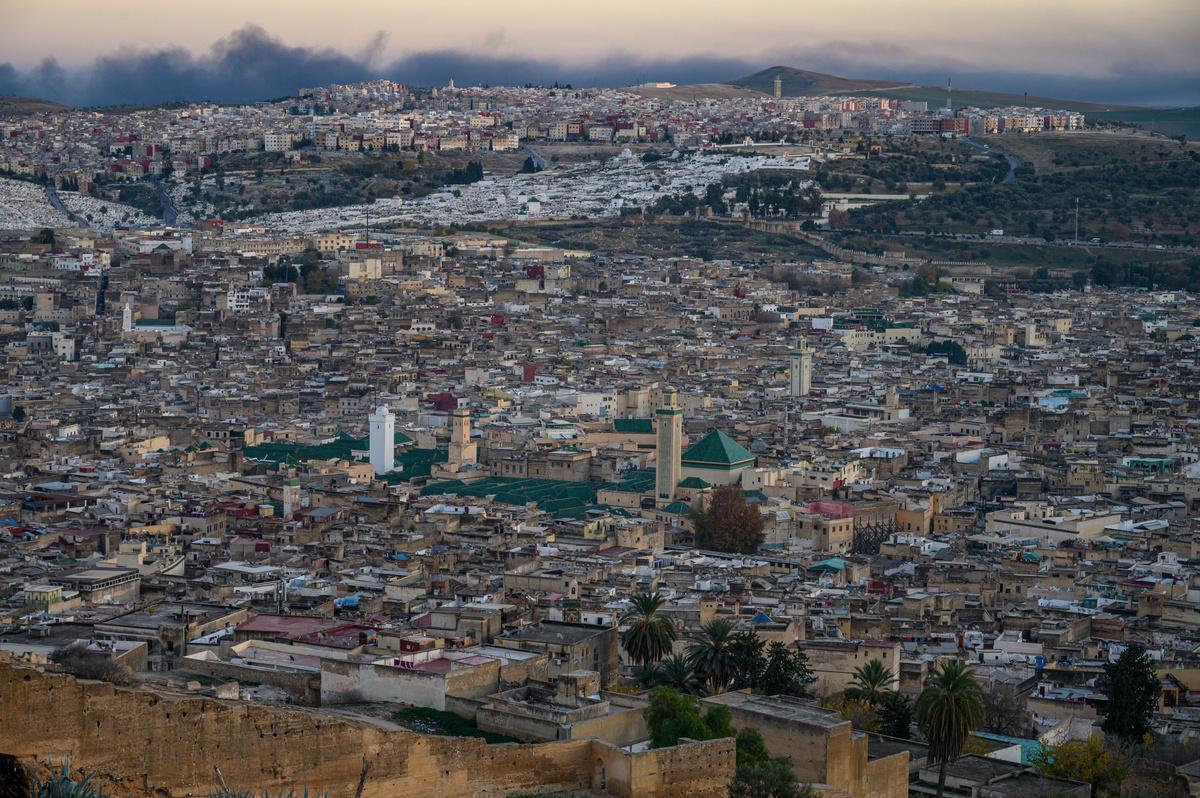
x: 717, y: 448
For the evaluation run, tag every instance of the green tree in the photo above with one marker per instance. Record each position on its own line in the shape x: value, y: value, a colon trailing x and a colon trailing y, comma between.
x: 870, y: 683
x: 711, y: 655
x: 775, y: 778
x: 18, y: 413
x: 46, y: 236
x: 895, y: 715
x: 1132, y: 690
x: 455, y: 319
x: 947, y: 710
x: 728, y: 523
x: 672, y: 715
x: 751, y: 749
x: 1087, y: 760
x: 675, y: 672
x: 787, y: 672
x: 749, y: 659
x: 650, y: 633
x: 928, y: 274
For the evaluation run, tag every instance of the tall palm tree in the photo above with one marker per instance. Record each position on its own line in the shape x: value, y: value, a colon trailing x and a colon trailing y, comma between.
x: 674, y: 671
x: 870, y: 684
x: 650, y: 634
x: 711, y: 655
x: 949, y: 707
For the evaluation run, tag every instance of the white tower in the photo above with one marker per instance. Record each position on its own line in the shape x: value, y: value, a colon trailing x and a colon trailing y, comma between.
x: 670, y: 440
x: 383, y: 439
x: 289, y: 499
x: 778, y: 87
x: 801, y: 369
x: 127, y: 318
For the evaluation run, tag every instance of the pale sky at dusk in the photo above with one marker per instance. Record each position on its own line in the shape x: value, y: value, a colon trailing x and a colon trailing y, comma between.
x: 1099, y: 41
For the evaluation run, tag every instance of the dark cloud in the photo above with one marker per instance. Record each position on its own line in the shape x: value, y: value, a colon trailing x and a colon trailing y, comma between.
x: 250, y: 64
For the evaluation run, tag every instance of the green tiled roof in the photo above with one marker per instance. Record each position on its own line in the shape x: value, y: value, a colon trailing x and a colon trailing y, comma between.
x: 552, y: 495
x: 343, y: 448
x: 634, y: 426
x: 717, y: 448
x: 677, y: 508
x: 694, y: 483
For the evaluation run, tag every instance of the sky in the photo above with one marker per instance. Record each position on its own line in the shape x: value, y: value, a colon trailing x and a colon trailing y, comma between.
x: 113, y: 51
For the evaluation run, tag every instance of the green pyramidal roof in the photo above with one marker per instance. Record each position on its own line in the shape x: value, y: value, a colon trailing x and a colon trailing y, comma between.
x: 717, y: 448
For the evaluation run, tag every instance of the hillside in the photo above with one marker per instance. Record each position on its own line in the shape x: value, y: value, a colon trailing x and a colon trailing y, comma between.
x: 799, y: 83
x: 19, y: 106
x: 695, y: 91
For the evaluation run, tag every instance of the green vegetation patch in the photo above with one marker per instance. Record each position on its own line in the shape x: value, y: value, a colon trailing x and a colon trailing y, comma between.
x: 433, y: 721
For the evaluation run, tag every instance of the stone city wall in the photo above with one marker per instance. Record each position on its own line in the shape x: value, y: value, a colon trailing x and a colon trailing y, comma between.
x: 152, y: 742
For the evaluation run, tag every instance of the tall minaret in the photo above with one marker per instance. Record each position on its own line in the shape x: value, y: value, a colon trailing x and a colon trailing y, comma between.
x: 462, y: 451
x: 801, y: 370
x: 383, y: 440
x: 127, y: 318
x: 670, y: 440
x: 778, y: 87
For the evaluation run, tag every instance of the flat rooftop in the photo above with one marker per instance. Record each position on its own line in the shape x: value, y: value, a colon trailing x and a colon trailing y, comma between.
x: 161, y: 615
x: 785, y: 708
x: 288, y: 625
x: 551, y: 633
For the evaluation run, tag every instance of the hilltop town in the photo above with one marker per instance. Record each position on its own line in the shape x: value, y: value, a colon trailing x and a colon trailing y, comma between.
x: 409, y: 456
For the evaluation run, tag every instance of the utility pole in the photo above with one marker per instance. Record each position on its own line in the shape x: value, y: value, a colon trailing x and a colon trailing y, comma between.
x: 1077, y: 220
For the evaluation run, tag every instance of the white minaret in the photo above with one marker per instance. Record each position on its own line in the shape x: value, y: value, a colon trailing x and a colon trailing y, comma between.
x: 127, y: 318
x: 670, y: 440
x: 383, y: 439
x: 801, y: 368
x: 289, y: 499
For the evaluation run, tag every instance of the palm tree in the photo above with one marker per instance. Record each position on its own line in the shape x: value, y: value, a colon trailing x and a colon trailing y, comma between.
x: 674, y: 671
x: 650, y: 633
x: 949, y: 707
x: 711, y: 655
x: 870, y: 683
x: 646, y: 675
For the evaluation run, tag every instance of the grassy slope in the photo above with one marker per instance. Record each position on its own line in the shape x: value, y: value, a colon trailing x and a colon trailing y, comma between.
x: 17, y: 106
x: 800, y: 83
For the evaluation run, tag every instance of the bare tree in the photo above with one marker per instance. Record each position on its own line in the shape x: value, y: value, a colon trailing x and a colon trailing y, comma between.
x: 1004, y: 711
x: 76, y: 659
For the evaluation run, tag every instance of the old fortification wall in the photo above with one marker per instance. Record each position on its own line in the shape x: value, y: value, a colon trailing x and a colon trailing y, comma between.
x: 153, y: 742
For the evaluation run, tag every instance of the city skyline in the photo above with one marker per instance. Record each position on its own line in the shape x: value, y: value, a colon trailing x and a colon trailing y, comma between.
x: 74, y: 52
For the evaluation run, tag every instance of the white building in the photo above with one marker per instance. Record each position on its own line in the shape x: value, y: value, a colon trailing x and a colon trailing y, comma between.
x: 383, y: 440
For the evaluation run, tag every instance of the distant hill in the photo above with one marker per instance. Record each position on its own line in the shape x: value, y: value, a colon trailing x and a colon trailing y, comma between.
x: 17, y: 106
x: 695, y: 91
x: 799, y: 83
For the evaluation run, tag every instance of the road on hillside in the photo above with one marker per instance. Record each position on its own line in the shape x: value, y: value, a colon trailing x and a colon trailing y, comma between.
x: 52, y: 193
x: 538, y: 160
x: 169, y: 212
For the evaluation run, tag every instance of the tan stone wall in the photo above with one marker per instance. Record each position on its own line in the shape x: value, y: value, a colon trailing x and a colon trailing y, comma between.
x: 154, y: 742
x: 305, y: 686
x: 888, y: 777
